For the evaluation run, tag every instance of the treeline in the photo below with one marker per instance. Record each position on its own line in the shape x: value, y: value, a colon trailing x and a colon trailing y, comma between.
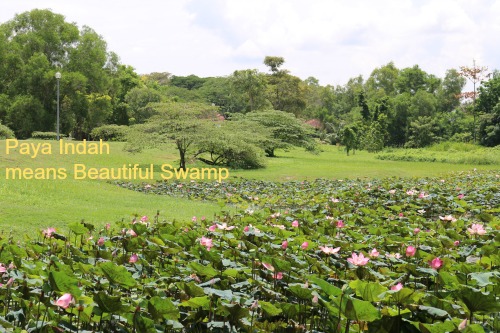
x: 401, y: 107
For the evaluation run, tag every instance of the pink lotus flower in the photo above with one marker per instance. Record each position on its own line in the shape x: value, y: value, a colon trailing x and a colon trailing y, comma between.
x: 358, y: 260
x: 340, y: 224
x: 65, y: 300
x: 456, y: 243
x: 48, y: 232
x: 401, y: 215
x: 203, y: 218
x: 416, y: 230
x: 374, y: 253
x: 278, y: 276
x: 422, y: 195
x: 284, y: 245
x: 213, y: 227
x: 133, y: 258
x: 254, y: 305
x: 144, y: 218
x: 461, y: 196
x: 246, y: 229
x: 329, y: 250
x: 397, y: 287
x: 447, y: 218
x: 304, y: 245
x: 295, y: 224
x: 3, y: 269
x: 131, y: 232
x: 193, y: 219
x: 392, y: 191
x: 268, y: 266
x: 224, y: 226
x: 207, y: 242
x: 410, y: 192
x: 100, y: 242
x: 436, y: 263
x: 335, y: 200
x: 462, y: 325
x: 315, y: 299
x: 410, y: 251
x: 108, y: 226
x: 476, y: 229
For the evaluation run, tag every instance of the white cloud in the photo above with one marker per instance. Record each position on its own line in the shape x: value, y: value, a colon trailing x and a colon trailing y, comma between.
x: 332, y: 40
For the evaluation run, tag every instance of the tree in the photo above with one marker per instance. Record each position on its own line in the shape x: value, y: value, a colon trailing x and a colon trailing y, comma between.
x: 423, y: 132
x: 233, y: 143
x: 423, y: 104
x: 365, y: 111
x: 25, y: 115
x: 218, y: 91
x: 286, y: 130
x: 137, y: 100
x: 475, y: 75
x: 489, y: 103
x: 350, y: 138
x: 448, y: 94
x: 274, y: 63
x: 286, y: 93
x: 41, y: 31
x: 373, y: 137
x: 181, y: 123
x: 383, y: 78
x: 252, y: 85
x: 89, y: 58
x: 33, y: 47
x: 399, y: 119
x: 190, y: 82
x: 413, y: 79
x: 98, y: 112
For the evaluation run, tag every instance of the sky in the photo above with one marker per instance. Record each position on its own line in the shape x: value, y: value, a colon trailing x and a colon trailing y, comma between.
x: 331, y: 40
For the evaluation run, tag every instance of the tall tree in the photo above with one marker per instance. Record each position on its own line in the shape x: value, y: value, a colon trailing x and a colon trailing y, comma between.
x: 274, y: 63
x: 411, y: 80
x: 365, y: 111
x: 488, y: 102
x: 448, y: 93
x: 252, y: 85
x: 476, y: 75
x: 383, y: 78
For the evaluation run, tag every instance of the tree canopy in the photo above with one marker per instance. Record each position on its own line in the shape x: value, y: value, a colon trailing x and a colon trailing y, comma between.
x: 399, y: 107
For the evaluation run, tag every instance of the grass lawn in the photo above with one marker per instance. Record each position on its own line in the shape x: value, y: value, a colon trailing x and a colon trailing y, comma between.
x: 30, y: 205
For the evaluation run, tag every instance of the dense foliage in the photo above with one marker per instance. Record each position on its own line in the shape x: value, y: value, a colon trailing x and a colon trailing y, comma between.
x: 33, y: 47
x: 392, y: 255
x: 396, y: 107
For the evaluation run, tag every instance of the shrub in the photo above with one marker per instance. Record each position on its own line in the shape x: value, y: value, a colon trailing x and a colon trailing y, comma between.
x: 110, y: 133
x: 46, y: 135
x: 6, y: 133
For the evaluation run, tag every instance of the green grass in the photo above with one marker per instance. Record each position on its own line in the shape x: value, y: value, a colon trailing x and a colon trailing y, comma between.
x: 30, y: 205
x: 446, y: 152
x: 333, y: 163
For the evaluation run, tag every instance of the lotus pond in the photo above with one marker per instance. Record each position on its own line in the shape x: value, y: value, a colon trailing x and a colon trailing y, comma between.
x: 386, y: 255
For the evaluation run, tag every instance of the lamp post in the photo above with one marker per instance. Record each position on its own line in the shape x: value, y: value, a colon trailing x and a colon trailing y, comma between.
x: 58, y: 77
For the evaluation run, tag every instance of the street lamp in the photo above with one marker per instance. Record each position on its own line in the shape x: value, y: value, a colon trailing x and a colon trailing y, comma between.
x: 58, y: 77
